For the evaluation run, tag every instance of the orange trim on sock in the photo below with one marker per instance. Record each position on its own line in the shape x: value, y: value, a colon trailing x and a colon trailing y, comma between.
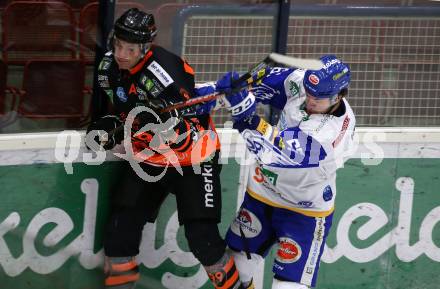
x: 122, y: 279
x: 229, y: 265
x: 123, y: 267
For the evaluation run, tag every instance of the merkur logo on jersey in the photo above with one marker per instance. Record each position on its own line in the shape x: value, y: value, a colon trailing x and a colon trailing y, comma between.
x: 208, y: 186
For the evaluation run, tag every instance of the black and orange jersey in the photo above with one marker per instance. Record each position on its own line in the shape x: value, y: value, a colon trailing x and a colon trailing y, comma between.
x: 160, y: 75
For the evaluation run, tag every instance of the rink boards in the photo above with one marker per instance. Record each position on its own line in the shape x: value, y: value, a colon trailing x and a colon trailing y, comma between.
x: 386, y: 231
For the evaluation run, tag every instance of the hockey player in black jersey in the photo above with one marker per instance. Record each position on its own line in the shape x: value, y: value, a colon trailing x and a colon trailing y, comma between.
x: 136, y: 73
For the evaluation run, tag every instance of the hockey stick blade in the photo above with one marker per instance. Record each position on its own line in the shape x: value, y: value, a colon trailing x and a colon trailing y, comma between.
x: 303, y: 63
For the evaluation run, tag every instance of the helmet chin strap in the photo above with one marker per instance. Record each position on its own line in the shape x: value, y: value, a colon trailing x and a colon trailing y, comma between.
x: 145, y: 47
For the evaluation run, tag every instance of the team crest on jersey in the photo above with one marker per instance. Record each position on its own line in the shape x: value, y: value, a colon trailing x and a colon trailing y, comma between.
x: 288, y: 251
x: 327, y: 194
x: 121, y: 94
x: 248, y: 222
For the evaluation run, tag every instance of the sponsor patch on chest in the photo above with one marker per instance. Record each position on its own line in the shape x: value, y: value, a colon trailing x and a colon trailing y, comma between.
x: 160, y: 73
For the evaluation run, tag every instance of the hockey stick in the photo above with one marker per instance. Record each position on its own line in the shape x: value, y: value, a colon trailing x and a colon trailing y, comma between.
x: 248, y: 77
x: 253, y: 75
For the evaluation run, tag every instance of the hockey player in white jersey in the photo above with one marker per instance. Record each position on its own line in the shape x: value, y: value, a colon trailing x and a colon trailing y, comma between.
x: 291, y: 189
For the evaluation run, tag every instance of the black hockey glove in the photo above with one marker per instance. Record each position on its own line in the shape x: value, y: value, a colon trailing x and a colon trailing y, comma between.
x: 107, y: 140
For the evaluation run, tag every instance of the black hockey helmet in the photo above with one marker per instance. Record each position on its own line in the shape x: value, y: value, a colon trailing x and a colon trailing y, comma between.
x: 135, y: 26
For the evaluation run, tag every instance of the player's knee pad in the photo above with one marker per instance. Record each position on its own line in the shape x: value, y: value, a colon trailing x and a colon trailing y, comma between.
x: 278, y: 284
x: 121, y: 272
x: 246, y: 267
x: 224, y: 274
x: 204, y: 241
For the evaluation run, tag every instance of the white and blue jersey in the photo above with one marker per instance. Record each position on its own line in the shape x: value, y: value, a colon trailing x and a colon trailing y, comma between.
x: 292, y: 186
x: 296, y: 161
